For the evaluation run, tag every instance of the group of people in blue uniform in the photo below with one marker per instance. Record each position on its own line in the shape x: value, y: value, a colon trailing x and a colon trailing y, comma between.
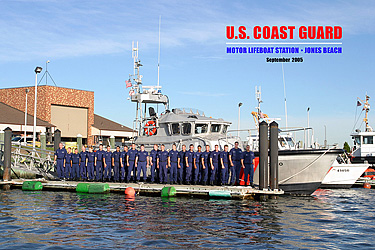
x: 175, y: 167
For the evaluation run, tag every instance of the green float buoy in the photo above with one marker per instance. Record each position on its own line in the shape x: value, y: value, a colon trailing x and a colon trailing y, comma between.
x: 82, y: 187
x: 220, y: 194
x: 168, y: 191
x: 98, y: 188
x: 32, y: 186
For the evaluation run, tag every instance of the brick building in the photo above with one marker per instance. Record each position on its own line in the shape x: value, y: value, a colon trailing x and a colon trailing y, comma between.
x: 70, y: 110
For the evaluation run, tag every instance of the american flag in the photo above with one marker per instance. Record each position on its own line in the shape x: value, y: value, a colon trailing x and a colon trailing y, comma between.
x: 131, y: 92
x: 128, y: 83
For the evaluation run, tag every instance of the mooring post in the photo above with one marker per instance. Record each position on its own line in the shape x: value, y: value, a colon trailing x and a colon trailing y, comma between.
x: 7, y: 154
x: 43, y: 141
x: 79, y: 142
x: 274, y: 154
x: 263, y: 155
x: 56, y: 139
x: 112, y: 141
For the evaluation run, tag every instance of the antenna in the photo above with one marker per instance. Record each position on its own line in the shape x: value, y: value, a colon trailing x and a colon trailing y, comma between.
x: 159, y: 51
x: 258, y: 96
x: 286, y: 111
x: 47, y: 74
x: 47, y: 62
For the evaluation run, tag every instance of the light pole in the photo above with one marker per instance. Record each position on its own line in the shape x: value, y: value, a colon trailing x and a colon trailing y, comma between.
x: 325, y: 136
x: 37, y: 71
x: 27, y: 91
x: 308, y: 127
x: 239, y: 112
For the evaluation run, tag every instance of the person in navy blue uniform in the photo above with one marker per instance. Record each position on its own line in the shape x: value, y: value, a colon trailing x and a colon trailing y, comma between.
x: 235, y: 156
x: 153, y: 162
x: 132, y: 153
x: 162, y: 162
x: 107, y: 164
x: 172, y: 163
x: 181, y: 164
x: 189, y: 158
x: 75, y: 165
x: 59, y: 161
x: 248, y: 165
x: 123, y: 164
x: 205, y: 160
x: 99, y: 157
x: 116, y: 164
x: 83, y: 163
x: 90, y: 164
x: 224, y: 159
x: 197, y: 165
x: 214, y: 162
x: 68, y: 163
x: 141, y: 163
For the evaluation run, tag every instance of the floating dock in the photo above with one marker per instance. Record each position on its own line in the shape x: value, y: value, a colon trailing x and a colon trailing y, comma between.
x: 147, y: 189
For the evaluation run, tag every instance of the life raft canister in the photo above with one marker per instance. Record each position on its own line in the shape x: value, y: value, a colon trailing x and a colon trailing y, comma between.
x: 150, y: 128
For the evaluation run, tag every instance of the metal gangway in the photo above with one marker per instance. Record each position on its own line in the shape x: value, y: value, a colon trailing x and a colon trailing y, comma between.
x: 25, y: 159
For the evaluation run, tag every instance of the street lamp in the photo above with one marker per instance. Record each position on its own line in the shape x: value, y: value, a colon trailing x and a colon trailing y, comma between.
x: 37, y: 71
x: 27, y: 91
x: 238, y: 127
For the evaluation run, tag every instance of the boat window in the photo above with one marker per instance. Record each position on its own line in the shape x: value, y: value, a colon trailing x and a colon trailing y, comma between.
x: 186, y: 128
x: 215, y: 128
x: 368, y: 140
x: 201, y: 128
x: 357, y: 140
x: 175, y: 128
x: 225, y: 129
x: 290, y: 141
x: 282, y: 142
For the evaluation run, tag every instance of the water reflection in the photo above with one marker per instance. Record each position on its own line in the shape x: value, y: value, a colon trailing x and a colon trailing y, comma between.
x: 44, y: 219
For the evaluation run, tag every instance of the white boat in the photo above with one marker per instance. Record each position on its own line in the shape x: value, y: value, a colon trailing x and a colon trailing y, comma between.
x: 176, y: 126
x: 364, y: 147
x: 343, y: 175
x: 301, y: 170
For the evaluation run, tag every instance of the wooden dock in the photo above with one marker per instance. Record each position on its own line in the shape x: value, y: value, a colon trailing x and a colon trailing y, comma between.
x: 236, y: 192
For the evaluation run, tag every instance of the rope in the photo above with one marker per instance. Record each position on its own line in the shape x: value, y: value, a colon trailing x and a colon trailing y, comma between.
x: 309, y: 165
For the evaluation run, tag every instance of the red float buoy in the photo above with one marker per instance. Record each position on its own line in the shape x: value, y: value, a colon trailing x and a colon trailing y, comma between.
x: 129, y: 191
x: 367, y: 185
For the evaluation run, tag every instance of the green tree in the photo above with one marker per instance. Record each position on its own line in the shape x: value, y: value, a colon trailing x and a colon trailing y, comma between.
x: 347, y: 147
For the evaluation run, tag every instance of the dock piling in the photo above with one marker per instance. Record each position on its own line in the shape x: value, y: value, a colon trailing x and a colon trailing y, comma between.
x: 43, y: 143
x: 56, y: 139
x: 7, y: 154
x: 274, y: 153
x: 79, y: 143
x: 263, y: 155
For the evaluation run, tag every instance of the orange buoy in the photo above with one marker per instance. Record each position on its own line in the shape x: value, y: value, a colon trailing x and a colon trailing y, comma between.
x: 367, y: 185
x: 129, y: 191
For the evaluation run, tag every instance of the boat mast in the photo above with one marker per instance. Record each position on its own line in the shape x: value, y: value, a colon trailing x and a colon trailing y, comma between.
x: 159, y: 52
x: 136, y: 88
x: 366, y: 108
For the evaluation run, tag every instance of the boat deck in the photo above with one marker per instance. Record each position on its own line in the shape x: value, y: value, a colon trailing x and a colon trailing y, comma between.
x: 236, y: 192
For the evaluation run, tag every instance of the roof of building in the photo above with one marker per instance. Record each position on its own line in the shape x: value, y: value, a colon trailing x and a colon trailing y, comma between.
x: 106, y: 124
x: 10, y: 115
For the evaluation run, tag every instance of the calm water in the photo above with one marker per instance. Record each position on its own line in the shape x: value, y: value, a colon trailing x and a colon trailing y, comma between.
x: 333, y: 219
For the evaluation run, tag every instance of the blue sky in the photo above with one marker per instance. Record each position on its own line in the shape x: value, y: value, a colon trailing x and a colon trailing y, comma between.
x: 89, y: 46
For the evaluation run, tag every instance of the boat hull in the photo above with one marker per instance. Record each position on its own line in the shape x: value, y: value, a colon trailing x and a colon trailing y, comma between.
x: 343, y: 175
x: 301, y: 172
